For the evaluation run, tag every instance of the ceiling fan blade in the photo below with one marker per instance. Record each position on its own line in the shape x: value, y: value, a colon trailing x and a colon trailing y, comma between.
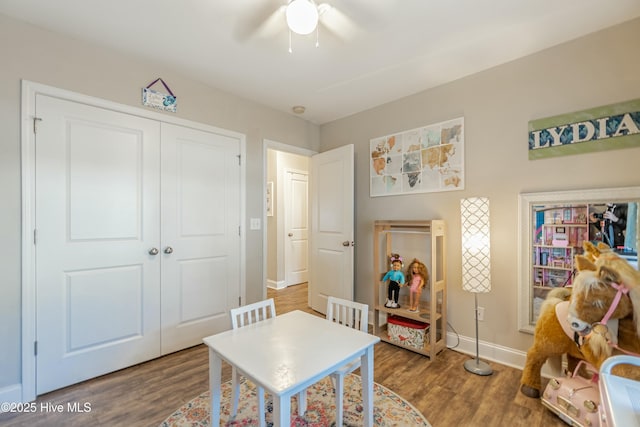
x: 267, y: 22
x: 341, y: 25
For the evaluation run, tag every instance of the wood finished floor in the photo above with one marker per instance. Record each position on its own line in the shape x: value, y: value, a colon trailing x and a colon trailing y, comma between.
x: 145, y: 394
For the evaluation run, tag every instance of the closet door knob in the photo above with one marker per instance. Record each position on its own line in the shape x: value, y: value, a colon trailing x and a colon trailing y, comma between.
x: 153, y: 251
x: 168, y: 250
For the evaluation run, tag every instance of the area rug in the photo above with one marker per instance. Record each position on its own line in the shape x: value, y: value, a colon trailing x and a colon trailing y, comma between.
x: 389, y: 408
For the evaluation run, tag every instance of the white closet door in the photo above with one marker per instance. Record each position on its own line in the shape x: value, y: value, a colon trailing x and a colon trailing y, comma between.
x: 97, y: 218
x: 200, y: 234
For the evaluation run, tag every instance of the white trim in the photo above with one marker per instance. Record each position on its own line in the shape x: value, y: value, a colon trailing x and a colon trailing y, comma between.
x: 28, y: 113
x: 277, y: 285
x: 496, y: 353
x: 279, y: 146
x: 268, y: 144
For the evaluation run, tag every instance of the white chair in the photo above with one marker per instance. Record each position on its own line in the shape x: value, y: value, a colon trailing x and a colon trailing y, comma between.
x: 242, y: 316
x: 352, y: 315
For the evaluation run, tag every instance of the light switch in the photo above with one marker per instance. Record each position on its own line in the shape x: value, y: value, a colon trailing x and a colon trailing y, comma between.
x: 255, y: 223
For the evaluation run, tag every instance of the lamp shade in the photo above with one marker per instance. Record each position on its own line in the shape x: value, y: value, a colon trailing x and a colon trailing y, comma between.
x: 302, y: 16
x: 476, y: 259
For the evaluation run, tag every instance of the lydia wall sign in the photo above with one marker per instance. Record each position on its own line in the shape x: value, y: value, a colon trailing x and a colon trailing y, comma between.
x: 604, y: 128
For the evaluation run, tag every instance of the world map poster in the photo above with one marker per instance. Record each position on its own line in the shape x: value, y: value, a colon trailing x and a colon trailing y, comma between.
x: 422, y: 160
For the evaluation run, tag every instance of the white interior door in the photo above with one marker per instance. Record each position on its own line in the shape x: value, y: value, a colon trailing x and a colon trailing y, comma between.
x: 296, y: 254
x: 115, y: 286
x: 331, y: 212
x: 97, y: 217
x: 200, y: 234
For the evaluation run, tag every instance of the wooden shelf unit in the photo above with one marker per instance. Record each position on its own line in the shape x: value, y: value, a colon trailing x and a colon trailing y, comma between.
x: 427, y: 237
x: 553, y: 257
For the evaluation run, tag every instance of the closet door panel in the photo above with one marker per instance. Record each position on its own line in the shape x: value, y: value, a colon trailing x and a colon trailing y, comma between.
x: 97, y: 216
x: 200, y: 234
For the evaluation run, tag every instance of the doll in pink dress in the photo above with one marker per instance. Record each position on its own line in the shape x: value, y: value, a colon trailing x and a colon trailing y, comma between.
x: 417, y: 277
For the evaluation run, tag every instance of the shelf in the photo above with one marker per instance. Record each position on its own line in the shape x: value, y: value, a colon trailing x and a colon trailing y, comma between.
x: 425, y: 240
x: 548, y: 267
x: 539, y: 245
x: 423, y: 316
x: 547, y: 287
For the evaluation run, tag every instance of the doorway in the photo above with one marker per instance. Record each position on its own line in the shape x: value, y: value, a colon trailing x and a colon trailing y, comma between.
x: 331, y: 225
x: 286, y: 222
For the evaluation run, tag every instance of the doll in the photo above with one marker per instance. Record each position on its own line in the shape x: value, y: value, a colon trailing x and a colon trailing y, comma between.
x: 396, y: 279
x: 417, y: 277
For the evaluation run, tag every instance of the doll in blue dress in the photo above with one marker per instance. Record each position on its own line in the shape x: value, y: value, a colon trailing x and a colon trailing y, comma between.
x: 396, y: 279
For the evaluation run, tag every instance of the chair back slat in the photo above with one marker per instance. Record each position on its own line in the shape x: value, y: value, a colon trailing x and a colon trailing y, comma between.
x: 348, y: 313
x: 252, y: 313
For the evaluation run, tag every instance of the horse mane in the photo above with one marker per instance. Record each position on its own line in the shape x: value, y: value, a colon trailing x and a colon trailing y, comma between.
x: 634, y: 295
x: 590, y: 280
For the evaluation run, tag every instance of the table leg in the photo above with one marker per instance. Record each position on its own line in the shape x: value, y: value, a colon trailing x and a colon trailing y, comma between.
x: 281, y: 411
x: 261, y: 412
x: 235, y: 390
x: 302, y: 402
x: 215, y: 381
x: 366, y: 371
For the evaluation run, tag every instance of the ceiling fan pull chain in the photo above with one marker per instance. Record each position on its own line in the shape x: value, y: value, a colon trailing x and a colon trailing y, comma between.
x: 290, y: 41
x: 317, y: 35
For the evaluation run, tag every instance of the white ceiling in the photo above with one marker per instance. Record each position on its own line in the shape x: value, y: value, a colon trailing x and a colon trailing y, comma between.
x: 371, y: 51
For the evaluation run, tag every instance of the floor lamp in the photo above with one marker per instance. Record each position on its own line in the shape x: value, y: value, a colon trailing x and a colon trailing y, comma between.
x: 476, y: 262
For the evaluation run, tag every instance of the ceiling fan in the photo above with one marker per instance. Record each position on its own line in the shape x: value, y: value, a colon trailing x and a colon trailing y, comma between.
x: 301, y: 17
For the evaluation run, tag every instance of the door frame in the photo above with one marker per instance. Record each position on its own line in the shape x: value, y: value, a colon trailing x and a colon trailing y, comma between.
x: 28, y: 268
x: 278, y: 146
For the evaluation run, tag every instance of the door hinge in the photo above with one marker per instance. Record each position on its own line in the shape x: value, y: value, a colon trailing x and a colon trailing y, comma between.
x: 35, y: 236
x: 239, y: 301
x: 239, y: 230
x: 35, y: 124
x: 35, y: 348
x: 239, y: 160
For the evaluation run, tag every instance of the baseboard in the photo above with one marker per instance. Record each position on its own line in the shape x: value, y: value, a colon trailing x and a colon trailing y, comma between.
x: 10, y: 394
x: 495, y: 353
x: 277, y: 285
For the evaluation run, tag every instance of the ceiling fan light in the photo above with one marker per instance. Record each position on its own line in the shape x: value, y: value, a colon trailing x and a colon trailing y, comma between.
x: 302, y: 16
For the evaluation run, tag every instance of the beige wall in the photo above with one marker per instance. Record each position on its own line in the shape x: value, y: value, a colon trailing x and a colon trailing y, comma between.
x: 497, y: 104
x: 43, y: 57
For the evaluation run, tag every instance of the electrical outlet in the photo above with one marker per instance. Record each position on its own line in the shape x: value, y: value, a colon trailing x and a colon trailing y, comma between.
x: 480, y: 313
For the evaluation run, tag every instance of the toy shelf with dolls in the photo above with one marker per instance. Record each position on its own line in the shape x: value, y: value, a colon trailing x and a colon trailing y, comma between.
x: 422, y: 330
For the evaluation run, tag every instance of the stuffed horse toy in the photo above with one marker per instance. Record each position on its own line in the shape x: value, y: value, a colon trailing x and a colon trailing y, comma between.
x: 603, y: 255
x: 586, y: 322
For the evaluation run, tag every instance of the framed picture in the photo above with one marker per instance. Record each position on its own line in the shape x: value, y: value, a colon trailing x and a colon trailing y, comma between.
x: 422, y: 160
x: 270, y: 198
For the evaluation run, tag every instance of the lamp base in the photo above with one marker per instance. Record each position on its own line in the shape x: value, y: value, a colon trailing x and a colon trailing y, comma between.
x: 478, y: 367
